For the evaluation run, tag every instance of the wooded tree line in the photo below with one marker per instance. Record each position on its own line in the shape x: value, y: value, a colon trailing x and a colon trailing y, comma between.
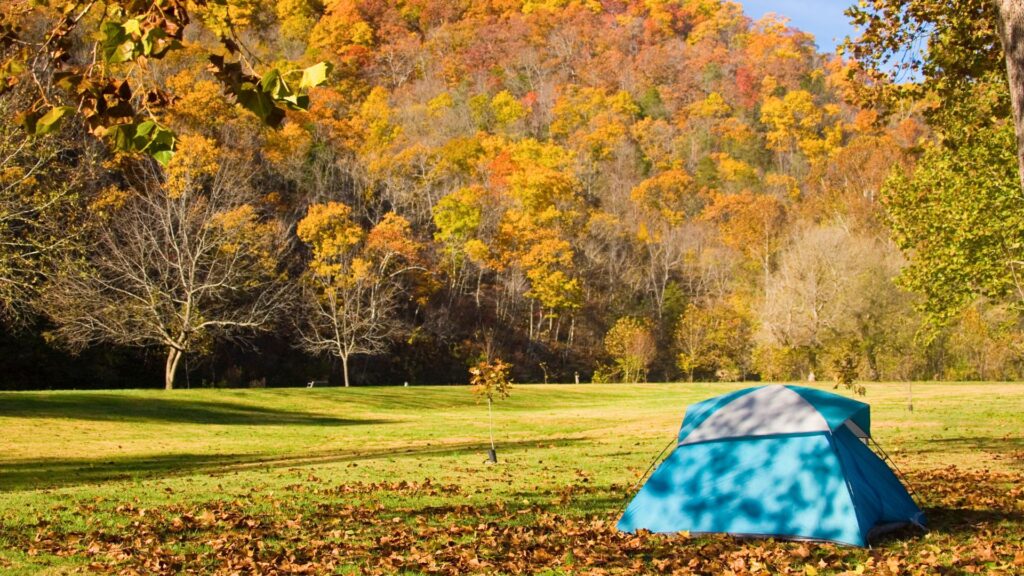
x: 392, y: 191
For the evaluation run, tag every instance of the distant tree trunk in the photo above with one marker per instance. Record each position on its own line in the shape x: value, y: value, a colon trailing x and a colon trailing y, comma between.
x: 1011, y: 32
x: 344, y: 368
x: 171, y: 367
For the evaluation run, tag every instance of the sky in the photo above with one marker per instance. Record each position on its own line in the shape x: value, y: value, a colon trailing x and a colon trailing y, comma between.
x: 823, y: 18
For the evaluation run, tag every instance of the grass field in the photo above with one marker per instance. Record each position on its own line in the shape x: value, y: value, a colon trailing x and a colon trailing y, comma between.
x: 394, y: 480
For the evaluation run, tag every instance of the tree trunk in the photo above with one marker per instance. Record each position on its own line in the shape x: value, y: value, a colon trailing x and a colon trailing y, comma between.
x: 344, y: 368
x: 490, y: 421
x: 1011, y: 32
x: 171, y: 367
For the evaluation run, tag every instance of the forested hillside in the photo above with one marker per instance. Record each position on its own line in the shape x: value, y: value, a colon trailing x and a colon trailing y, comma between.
x: 609, y: 190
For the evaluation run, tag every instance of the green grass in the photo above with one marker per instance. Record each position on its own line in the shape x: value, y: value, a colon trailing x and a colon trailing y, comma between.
x: 79, y: 463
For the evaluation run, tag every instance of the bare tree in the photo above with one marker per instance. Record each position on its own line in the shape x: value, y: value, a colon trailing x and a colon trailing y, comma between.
x: 175, y: 267
x: 807, y: 298
x: 39, y: 200
x: 346, y: 321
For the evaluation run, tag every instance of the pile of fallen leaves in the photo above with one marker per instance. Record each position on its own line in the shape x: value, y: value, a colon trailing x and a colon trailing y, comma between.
x: 977, y: 521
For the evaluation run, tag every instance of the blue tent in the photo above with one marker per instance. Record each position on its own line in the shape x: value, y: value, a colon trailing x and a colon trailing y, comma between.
x: 774, y: 461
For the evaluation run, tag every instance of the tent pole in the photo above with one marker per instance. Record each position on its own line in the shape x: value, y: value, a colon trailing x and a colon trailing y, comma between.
x: 648, y: 471
x: 885, y: 456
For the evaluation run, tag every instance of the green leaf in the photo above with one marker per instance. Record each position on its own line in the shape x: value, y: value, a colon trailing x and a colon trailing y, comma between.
x: 144, y: 128
x: 122, y: 136
x: 132, y: 27
x: 256, y: 101
x: 147, y: 137
x: 163, y: 156
x: 51, y: 120
x: 314, y: 76
x: 151, y: 42
x: 273, y: 84
x: 117, y: 45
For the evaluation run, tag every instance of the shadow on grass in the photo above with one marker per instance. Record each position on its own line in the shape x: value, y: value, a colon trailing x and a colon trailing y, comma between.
x: 120, y: 408
x: 49, y: 473
x: 967, y: 521
x: 996, y: 444
x: 956, y: 522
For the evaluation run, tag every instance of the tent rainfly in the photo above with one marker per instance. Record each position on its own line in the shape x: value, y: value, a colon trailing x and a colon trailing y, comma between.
x: 774, y: 461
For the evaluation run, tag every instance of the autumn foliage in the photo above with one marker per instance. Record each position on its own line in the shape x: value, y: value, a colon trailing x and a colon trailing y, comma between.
x: 535, y: 170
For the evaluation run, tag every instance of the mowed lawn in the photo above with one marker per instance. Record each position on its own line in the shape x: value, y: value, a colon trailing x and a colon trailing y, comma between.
x: 394, y: 479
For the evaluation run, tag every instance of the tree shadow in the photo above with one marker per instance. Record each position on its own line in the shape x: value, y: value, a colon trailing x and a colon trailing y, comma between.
x: 121, y: 408
x: 1009, y: 445
x: 966, y: 521
x: 51, y: 473
x: 956, y: 522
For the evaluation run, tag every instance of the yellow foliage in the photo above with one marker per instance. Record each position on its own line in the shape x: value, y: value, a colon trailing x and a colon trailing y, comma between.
x: 329, y: 230
x: 541, y: 188
x: 198, y: 157
x: 549, y: 155
x: 734, y: 130
x: 374, y: 121
x: 226, y: 15
x: 360, y: 270
x: 531, y: 6
x: 714, y: 106
x: 670, y: 195
x: 108, y: 201
x: 11, y: 174
x: 507, y: 109
x: 656, y: 139
x: 720, y: 16
x: 577, y: 106
x: 478, y: 252
x: 440, y: 104
x: 795, y: 121
x: 733, y: 170
x: 291, y: 141
x: 748, y: 222
x: 601, y: 141
x: 198, y: 102
x: 361, y: 34
x: 341, y: 31
x: 630, y: 342
x: 296, y: 18
x: 244, y: 235
x: 548, y: 264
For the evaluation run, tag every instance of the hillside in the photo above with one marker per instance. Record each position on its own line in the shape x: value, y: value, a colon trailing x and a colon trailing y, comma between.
x: 604, y: 190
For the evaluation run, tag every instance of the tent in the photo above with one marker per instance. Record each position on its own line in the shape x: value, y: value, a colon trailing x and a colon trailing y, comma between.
x: 774, y: 461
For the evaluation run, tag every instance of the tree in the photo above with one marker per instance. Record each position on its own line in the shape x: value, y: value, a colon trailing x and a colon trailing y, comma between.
x: 41, y: 197
x: 750, y: 223
x: 969, y: 42
x: 38, y: 49
x: 713, y: 338
x: 670, y: 237
x: 489, y: 379
x: 806, y: 299
x: 353, y: 283
x: 632, y: 346
x: 986, y: 344
x: 183, y: 259
x: 960, y: 215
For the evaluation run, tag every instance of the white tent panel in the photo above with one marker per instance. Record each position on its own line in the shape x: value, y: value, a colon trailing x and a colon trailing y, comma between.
x: 856, y: 429
x: 764, y: 412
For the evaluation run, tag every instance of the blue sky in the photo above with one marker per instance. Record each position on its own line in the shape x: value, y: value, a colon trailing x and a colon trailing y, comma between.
x: 823, y: 18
